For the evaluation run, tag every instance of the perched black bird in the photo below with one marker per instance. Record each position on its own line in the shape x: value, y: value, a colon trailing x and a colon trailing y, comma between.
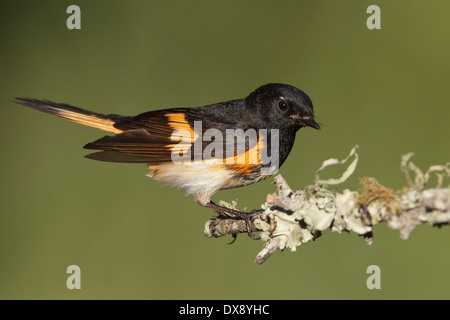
x: 205, y: 149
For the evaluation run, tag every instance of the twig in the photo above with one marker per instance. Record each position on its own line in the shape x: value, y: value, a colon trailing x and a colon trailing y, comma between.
x: 293, y: 218
x: 272, y: 245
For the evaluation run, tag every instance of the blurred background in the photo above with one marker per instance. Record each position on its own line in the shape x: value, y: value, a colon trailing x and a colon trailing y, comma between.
x: 386, y: 90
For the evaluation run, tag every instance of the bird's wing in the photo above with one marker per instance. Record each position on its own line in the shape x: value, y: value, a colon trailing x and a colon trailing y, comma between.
x: 182, y: 134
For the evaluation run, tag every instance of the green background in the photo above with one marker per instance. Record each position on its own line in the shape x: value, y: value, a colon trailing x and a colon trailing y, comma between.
x: 386, y: 90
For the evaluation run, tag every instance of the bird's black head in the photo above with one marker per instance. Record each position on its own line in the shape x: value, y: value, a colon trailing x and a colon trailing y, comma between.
x: 279, y: 105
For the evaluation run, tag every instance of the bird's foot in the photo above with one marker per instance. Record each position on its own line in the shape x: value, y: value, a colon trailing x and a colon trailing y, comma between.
x: 228, y: 213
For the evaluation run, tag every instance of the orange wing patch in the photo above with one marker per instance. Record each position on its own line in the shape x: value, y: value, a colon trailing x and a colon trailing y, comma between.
x: 177, y: 121
x: 183, y: 133
x: 184, y: 136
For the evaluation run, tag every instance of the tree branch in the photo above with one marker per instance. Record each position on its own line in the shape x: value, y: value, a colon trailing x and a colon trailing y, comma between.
x: 293, y: 218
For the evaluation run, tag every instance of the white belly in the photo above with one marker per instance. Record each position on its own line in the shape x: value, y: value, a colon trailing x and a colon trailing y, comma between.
x: 203, y: 177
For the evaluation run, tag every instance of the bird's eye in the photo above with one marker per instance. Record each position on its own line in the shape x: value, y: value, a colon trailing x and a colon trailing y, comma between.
x: 283, y: 105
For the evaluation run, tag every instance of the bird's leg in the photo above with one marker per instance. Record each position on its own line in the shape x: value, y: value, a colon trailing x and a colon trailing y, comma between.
x: 203, y: 199
x: 246, y: 216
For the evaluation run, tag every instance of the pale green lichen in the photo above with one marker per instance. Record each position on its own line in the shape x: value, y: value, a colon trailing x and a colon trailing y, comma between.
x: 293, y: 218
x: 300, y: 215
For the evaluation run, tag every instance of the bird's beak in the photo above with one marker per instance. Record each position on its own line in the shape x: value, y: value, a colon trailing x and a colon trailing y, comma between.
x: 307, y: 121
x: 310, y: 122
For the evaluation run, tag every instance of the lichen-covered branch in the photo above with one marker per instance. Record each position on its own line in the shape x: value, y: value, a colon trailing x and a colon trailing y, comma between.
x: 293, y: 218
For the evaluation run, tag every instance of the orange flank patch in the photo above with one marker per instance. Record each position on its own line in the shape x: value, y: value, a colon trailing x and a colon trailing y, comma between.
x: 245, y: 163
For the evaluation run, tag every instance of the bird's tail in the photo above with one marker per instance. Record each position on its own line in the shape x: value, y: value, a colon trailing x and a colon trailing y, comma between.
x: 88, y: 118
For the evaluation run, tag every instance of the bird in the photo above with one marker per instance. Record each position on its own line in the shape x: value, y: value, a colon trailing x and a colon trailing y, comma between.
x: 201, y: 150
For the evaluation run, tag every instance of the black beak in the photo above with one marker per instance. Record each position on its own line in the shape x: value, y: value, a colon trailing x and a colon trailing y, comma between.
x: 310, y: 122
